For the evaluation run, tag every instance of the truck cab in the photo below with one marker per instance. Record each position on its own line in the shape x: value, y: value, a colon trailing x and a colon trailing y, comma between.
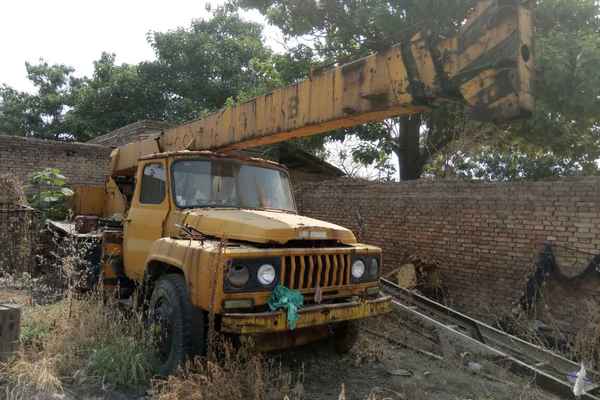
x: 206, y: 233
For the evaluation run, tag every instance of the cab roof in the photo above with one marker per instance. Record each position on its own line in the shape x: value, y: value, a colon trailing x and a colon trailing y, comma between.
x: 211, y: 154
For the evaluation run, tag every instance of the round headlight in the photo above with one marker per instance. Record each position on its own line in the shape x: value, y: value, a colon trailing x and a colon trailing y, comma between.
x: 358, y: 269
x: 238, y: 276
x: 266, y: 274
x: 374, y: 268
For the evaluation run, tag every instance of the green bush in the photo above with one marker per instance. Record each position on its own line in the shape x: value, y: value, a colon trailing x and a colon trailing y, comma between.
x: 123, y: 362
x: 51, y: 194
x: 34, y: 334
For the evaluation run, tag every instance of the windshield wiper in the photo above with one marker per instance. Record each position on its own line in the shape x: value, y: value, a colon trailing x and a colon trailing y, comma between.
x: 192, y: 232
x: 281, y: 210
x: 210, y: 206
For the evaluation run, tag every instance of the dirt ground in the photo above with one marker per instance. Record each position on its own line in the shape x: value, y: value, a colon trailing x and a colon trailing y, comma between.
x: 14, y: 296
x: 378, y: 368
x: 386, y: 370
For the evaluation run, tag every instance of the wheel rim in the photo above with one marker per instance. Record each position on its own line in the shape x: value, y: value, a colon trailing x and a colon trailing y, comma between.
x: 162, y: 328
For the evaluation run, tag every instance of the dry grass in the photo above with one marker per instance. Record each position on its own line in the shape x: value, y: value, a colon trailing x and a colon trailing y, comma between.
x: 33, y: 377
x: 580, y: 345
x: 586, y: 346
x: 86, y: 341
x: 93, y: 334
x: 82, y: 342
x: 238, y: 373
x: 79, y: 341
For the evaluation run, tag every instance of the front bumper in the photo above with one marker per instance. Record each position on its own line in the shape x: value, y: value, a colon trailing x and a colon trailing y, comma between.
x: 276, y: 321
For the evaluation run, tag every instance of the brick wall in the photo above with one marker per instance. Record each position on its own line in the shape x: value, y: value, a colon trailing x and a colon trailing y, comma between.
x: 82, y: 164
x: 88, y: 163
x: 486, y: 236
x: 299, y: 177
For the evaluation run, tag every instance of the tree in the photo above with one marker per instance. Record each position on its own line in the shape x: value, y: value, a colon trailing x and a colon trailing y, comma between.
x: 114, y: 96
x: 565, y: 126
x: 16, y: 117
x: 41, y: 114
x: 345, y: 30
x: 563, y: 136
x: 197, y: 69
x: 378, y: 168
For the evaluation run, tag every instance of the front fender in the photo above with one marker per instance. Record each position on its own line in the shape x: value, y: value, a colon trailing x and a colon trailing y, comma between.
x: 198, y: 261
x: 167, y: 251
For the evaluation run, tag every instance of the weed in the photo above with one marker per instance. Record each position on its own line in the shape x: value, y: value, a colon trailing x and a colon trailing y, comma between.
x: 38, y: 323
x: 51, y: 194
x: 587, y: 340
x: 239, y: 373
x: 26, y: 377
x: 124, y: 362
x: 80, y: 340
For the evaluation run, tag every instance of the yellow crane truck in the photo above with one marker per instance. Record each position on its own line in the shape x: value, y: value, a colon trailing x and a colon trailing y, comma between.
x: 197, y: 228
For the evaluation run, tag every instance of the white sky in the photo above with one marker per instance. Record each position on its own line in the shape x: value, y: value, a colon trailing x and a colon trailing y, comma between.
x: 75, y: 33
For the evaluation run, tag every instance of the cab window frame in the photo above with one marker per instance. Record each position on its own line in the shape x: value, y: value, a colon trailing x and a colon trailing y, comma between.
x: 243, y: 162
x: 143, y: 200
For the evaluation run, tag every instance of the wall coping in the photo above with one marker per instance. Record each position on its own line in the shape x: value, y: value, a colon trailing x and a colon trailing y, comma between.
x: 449, y: 182
x: 20, y: 140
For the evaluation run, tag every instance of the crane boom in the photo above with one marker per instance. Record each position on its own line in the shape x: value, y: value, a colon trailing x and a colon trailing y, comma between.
x: 488, y: 66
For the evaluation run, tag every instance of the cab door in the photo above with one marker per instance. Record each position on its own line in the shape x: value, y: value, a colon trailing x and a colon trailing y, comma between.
x: 146, y: 216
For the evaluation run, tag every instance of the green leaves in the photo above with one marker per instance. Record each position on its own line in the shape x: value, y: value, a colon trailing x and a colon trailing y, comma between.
x: 562, y: 138
x: 41, y: 114
x: 196, y: 70
x: 200, y: 67
x: 51, y: 193
x: 223, y: 60
x: 67, y: 192
x: 49, y: 177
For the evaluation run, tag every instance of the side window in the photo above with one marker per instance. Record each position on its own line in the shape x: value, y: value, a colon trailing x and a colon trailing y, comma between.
x: 153, y: 184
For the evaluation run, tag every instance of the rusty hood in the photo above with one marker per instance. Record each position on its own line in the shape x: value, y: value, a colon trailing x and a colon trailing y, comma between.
x: 260, y: 226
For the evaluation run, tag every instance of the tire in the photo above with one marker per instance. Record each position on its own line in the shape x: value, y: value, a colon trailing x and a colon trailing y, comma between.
x: 173, y: 322
x: 345, y: 335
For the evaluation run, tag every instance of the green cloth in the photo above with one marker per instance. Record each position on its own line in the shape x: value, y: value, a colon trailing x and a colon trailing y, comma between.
x: 287, y: 299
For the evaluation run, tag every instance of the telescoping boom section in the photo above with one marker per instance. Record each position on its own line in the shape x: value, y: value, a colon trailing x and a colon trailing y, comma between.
x: 488, y: 66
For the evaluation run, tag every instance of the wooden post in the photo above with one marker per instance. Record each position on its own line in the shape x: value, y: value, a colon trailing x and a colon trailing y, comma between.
x: 10, y: 330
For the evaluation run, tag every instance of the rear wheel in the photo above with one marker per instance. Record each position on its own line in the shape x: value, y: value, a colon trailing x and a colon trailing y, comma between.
x: 171, y: 317
x: 345, y: 335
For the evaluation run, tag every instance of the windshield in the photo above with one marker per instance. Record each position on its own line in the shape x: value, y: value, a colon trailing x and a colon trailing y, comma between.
x: 230, y: 183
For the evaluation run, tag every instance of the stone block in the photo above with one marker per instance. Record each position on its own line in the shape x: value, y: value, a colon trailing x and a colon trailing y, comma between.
x: 10, y: 330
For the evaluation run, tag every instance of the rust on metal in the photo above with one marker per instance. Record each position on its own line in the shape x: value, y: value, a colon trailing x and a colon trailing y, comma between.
x: 488, y: 66
x: 253, y: 323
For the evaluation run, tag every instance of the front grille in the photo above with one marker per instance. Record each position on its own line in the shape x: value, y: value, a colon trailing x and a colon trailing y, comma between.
x: 310, y: 271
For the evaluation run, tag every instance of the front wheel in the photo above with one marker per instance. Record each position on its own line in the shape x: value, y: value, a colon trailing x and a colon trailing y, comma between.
x: 345, y: 335
x: 171, y: 323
